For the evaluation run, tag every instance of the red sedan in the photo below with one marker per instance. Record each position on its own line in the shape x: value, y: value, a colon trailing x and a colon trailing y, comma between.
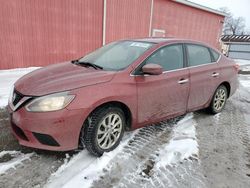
x: 122, y: 86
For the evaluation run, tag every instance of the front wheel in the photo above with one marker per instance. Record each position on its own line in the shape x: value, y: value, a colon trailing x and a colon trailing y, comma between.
x: 219, y: 99
x: 104, y: 130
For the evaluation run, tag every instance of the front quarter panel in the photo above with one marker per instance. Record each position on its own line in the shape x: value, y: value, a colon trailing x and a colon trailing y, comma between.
x: 121, y: 89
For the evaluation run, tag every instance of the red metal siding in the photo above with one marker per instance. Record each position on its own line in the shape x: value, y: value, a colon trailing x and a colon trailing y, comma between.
x: 183, y: 21
x: 127, y: 19
x: 38, y: 33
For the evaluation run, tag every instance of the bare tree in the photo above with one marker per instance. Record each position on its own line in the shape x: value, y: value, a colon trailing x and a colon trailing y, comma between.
x: 233, y: 25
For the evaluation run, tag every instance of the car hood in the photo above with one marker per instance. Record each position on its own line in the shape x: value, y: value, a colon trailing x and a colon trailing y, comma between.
x: 60, y: 77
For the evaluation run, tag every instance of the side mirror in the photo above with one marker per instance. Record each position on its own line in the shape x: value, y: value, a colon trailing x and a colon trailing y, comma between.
x: 152, y: 69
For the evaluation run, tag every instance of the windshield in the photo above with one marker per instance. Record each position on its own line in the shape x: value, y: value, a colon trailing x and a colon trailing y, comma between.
x: 117, y: 55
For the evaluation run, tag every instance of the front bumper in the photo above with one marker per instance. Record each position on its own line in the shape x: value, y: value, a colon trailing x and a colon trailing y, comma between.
x: 57, y: 130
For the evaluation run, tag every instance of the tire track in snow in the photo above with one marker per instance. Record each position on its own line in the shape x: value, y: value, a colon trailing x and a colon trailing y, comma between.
x: 30, y: 173
x: 134, y: 155
x: 243, y: 131
x: 84, y: 168
x: 135, y: 165
x: 224, y: 147
x: 11, y: 159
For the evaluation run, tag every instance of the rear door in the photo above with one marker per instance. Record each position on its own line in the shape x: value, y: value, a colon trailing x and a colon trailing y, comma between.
x: 204, y: 76
x: 160, y: 96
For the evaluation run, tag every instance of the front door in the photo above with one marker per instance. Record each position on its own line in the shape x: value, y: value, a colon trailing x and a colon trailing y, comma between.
x: 161, y: 96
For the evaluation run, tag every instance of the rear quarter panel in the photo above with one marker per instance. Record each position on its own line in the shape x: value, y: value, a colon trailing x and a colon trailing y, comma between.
x: 228, y: 73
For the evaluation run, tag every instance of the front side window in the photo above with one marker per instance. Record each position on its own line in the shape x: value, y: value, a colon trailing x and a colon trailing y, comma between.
x: 117, y: 55
x: 198, y: 55
x: 169, y: 57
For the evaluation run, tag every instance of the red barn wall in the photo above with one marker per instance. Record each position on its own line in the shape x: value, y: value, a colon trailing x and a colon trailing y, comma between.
x: 38, y: 33
x: 183, y: 21
x: 127, y: 19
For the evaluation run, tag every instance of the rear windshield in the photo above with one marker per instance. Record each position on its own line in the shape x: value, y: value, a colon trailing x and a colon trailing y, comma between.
x: 117, y: 55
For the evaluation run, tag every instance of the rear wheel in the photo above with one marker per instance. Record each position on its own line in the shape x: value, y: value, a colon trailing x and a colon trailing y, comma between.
x: 219, y: 100
x: 104, y: 130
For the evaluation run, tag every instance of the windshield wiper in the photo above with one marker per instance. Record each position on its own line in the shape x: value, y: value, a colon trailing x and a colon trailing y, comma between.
x: 87, y: 64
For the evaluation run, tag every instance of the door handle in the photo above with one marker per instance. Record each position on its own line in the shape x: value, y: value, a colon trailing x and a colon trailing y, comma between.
x: 183, y: 81
x: 215, y: 74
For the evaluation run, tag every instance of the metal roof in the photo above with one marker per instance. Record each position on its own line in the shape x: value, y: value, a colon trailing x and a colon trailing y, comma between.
x: 235, y: 38
x: 198, y: 6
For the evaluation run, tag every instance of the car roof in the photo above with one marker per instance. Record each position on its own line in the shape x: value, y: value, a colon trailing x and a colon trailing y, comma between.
x: 159, y: 40
x: 154, y: 39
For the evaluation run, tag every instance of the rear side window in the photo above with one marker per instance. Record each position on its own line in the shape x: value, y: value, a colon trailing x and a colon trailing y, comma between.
x: 169, y: 57
x: 215, y: 54
x: 198, y: 55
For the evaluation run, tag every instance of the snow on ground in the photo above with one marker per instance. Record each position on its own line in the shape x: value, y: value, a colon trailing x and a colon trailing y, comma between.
x: 16, y: 158
x: 241, y: 97
x: 244, y: 64
x: 7, y: 80
x: 182, y: 145
x: 84, y: 168
x: 245, y: 83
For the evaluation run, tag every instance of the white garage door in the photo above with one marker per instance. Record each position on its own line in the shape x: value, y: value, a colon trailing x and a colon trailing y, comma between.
x: 239, y: 51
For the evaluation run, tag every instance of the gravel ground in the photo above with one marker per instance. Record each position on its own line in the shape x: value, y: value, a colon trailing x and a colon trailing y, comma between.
x: 223, y: 161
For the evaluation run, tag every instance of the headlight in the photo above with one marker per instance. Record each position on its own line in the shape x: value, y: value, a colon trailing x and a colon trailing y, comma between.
x: 50, y: 103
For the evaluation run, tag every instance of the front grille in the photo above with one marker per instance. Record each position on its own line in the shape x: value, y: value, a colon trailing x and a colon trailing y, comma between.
x: 19, y: 100
x: 17, y: 97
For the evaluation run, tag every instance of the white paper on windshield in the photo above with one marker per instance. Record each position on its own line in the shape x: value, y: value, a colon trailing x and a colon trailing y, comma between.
x: 140, y: 44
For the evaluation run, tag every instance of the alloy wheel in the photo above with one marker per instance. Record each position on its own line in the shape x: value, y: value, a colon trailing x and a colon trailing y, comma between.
x: 109, y: 130
x: 220, y: 99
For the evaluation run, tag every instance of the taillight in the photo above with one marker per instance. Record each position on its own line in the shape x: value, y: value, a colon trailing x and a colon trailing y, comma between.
x: 237, y: 67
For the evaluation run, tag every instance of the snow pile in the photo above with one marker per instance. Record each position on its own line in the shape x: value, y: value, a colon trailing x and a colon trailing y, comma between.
x: 84, y: 168
x: 7, y: 80
x: 183, y: 144
x: 16, y: 158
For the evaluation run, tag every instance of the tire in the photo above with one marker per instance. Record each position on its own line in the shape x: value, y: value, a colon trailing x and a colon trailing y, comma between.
x: 219, y: 100
x: 104, y: 130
